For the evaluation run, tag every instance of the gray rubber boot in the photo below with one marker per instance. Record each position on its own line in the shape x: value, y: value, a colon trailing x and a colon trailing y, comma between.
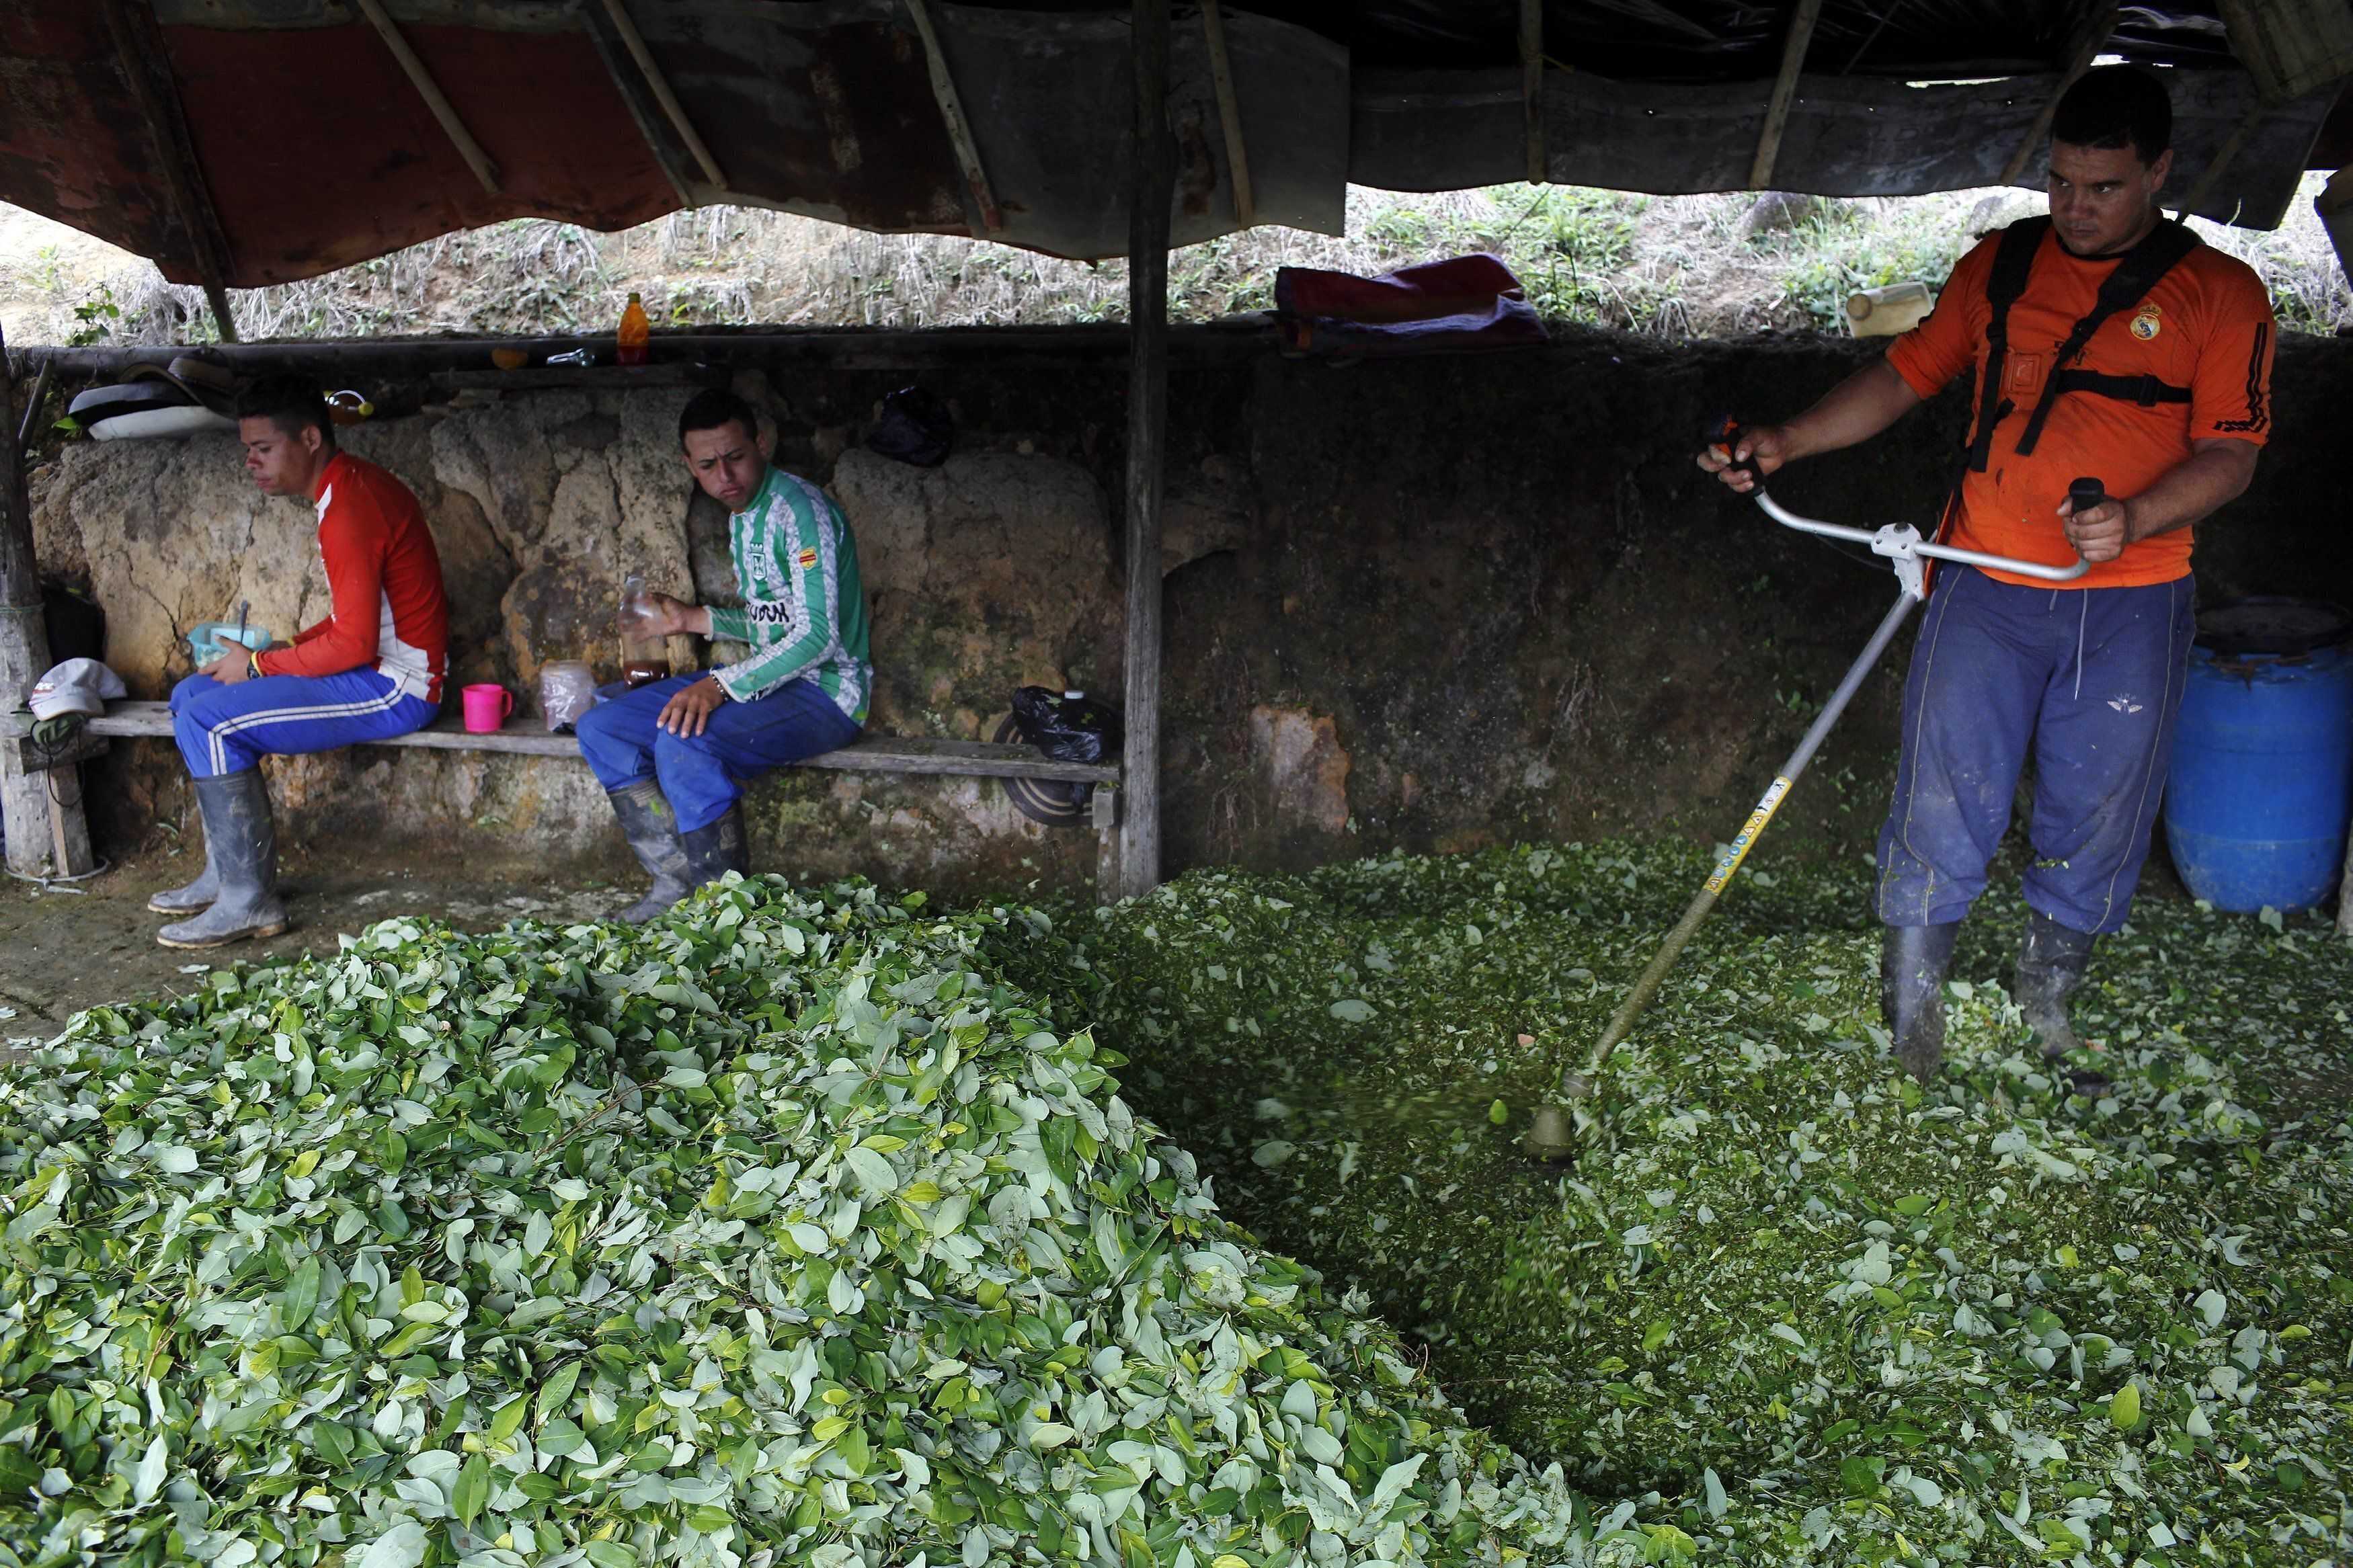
x: 717, y: 848
x: 198, y: 894
x: 2052, y: 958
x: 241, y: 847
x: 651, y: 828
x: 1912, y: 969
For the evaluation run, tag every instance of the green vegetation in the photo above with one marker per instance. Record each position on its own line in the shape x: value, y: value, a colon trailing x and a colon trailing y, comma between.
x: 809, y: 1226
x: 778, y: 1230
x: 1783, y: 1299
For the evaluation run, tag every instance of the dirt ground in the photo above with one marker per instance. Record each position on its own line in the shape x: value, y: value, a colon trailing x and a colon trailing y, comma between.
x: 61, y: 950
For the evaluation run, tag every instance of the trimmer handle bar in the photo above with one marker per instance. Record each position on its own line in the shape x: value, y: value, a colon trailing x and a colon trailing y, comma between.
x: 1900, y: 542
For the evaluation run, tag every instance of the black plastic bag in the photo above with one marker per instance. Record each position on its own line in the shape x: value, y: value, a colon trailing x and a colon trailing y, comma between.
x: 915, y: 428
x: 1068, y: 729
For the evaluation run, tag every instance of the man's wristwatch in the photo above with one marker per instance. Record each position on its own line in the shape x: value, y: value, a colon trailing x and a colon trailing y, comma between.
x: 253, y: 663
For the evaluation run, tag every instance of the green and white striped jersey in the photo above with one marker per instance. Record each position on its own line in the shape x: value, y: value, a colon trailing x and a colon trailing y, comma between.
x: 804, y: 613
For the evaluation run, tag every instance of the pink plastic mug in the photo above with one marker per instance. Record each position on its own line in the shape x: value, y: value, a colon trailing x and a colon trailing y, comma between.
x: 487, y: 708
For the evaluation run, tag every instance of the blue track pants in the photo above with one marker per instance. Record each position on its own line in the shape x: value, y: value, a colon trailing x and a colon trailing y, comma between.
x: 226, y: 729
x: 704, y: 774
x: 2089, y: 680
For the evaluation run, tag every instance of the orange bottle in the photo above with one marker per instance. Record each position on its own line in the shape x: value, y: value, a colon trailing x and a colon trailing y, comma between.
x: 636, y: 334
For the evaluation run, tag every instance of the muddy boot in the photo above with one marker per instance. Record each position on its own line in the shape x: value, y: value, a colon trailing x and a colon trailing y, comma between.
x: 1912, y: 992
x: 651, y: 828
x: 2051, y: 963
x: 717, y: 848
x: 198, y: 894
x: 241, y: 847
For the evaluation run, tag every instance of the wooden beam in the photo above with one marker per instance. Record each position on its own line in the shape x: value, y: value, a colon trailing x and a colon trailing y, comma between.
x: 24, y: 651
x: 943, y: 89
x: 1532, y: 64
x: 2220, y: 160
x: 1785, y: 91
x: 1151, y: 186
x: 1230, y: 111
x: 635, y: 42
x: 634, y: 99
x: 430, y: 91
x: 33, y: 402
x: 2096, y: 29
x: 140, y: 49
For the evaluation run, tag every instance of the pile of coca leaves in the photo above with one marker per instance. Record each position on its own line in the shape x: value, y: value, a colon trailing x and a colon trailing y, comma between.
x: 778, y: 1232
x: 810, y: 1226
x: 1781, y: 1300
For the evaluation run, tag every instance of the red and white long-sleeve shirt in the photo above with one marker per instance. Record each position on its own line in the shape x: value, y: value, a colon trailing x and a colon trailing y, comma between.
x: 384, y: 581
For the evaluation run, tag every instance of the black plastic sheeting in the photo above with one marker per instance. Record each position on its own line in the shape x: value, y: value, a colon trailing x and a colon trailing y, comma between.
x: 1738, y: 40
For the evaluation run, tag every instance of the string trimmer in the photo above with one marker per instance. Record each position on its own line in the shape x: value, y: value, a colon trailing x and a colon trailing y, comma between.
x: 1549, y: 1132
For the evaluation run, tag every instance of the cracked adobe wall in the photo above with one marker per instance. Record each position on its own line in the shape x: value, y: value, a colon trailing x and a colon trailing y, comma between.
x: 1432, y: 604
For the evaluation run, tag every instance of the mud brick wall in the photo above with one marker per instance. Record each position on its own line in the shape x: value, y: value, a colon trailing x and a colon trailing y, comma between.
x: 1435, y: 603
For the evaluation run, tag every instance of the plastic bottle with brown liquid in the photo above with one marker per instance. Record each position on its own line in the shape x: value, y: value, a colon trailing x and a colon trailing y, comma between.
x: 644, y: 657
x: 636, y: 334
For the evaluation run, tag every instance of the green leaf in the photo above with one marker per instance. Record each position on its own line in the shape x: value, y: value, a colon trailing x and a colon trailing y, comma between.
x: 611, y: 1554
x: 2123, y: 1410
x: 473, y: 1489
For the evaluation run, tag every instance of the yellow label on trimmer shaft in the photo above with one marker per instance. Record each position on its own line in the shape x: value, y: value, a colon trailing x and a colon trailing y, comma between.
x: 1737, y: 851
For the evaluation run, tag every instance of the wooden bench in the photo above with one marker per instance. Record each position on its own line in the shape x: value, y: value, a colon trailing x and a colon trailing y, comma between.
x: 872, y: 754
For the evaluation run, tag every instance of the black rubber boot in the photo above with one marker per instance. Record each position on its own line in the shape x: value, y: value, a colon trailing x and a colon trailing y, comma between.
x: 198, y: 894
x: 717, y: 848
x: 1912, y: 992
x: 2052, y: 958
x: 241, y: 847
x: 651, y: 828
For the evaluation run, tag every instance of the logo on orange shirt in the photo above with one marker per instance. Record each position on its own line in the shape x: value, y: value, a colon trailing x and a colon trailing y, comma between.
x: 2145, y: 324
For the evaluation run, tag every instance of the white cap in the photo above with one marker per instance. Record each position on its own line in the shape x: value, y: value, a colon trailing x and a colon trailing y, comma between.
x: 76, y: 686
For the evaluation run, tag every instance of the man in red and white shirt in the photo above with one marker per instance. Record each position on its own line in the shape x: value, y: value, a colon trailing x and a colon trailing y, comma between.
x: 371, y: 671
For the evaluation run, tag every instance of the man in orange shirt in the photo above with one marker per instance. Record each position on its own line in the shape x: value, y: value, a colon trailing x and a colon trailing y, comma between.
x: 2102, y: 342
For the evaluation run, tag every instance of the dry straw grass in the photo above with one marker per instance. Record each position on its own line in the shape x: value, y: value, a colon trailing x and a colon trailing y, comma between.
x: 1678, y: 266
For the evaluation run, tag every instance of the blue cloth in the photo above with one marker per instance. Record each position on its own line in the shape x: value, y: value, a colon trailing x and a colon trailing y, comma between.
x: 702, y: 775
x: 225, y: 729
x: 2090, y: 680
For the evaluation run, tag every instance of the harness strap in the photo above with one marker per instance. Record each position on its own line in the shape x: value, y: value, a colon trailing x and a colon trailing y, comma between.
x: 2134, y: 276
x: 2146, y: 390
x: 2013, y: 259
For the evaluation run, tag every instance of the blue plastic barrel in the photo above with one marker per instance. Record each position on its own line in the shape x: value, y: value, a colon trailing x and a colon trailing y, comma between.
x: 2262, y: 787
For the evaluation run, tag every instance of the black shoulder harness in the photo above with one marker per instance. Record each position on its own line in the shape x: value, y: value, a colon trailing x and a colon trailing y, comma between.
x: 2135, y: 276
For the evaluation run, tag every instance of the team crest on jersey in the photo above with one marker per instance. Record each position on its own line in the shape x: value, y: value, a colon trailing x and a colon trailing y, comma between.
x: 809, y: 559
x: 2145, y: 324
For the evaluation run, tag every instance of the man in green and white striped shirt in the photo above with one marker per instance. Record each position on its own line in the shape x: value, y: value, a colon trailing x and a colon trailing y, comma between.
x: 674, y: 755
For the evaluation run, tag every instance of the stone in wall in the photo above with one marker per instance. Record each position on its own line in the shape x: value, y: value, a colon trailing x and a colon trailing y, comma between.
x: 582, y: 489
x: 170, y: 535
x: 1303, y: 770
x: 990, y: 572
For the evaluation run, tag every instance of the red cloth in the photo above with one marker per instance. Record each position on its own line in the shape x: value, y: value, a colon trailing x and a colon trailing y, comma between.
x: 1462, y: 304
x: 384, y: 581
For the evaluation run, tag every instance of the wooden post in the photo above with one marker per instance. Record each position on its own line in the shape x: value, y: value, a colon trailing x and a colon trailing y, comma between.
x: 1785, y: 89
x: 149, y: 74
x: 23, y: 646
x: 1230, y: 112
x: 1532, y: 112
x: 1151, y: 186
x: 2098, y: 25
x: 2220, y: 160
x: 675, y: 111
x: 960, y: 137
x: 445, y: 113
